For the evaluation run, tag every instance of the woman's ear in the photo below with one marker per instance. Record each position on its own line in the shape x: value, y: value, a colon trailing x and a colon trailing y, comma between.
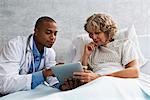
x: 107, y: 36
x: 110, y: 38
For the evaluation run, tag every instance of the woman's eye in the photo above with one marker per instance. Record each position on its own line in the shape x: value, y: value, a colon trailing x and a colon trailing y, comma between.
x: 90, y: 35
x: 96, y: 32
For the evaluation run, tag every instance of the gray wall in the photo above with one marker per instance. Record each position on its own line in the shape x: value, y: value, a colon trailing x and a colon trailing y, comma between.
x: 17, y: 17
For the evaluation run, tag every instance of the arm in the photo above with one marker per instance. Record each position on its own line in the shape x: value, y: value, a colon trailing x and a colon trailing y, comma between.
x: 131, y: 66
x: 130, y: 71
x: 50, y: 61
x: 10, y: 79
x: 39, y: 77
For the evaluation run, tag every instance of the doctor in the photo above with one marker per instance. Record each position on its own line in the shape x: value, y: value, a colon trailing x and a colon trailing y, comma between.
x: 25, y: 61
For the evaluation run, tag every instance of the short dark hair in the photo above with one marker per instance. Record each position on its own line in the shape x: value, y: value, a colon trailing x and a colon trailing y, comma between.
x: 42, y: 19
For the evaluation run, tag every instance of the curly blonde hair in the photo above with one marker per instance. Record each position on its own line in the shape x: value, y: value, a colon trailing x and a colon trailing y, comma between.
x: 101, y: 23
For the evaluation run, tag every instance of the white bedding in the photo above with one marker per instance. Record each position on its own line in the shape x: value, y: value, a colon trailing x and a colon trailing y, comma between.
x: 104, y: 88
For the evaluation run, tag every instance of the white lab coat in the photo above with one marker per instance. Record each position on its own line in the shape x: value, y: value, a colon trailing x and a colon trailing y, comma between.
x: 15, y: 62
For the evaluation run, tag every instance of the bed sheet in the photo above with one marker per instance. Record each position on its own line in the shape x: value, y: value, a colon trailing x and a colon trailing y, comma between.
x: 104, y: 88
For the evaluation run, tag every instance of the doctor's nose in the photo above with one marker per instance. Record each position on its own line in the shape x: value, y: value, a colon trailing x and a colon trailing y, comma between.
x: 52, y: 36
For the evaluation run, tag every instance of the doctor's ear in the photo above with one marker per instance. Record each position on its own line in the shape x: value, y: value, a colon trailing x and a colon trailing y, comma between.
x: 35, y: 34
x: 35, y: 29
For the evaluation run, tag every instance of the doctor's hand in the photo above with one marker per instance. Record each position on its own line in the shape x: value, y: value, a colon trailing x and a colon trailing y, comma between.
x: 69, y: 84
x: 47, y: 73
x: 85, y: 76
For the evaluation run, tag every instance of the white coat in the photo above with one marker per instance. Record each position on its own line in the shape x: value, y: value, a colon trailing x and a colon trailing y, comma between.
x: 15, y: 59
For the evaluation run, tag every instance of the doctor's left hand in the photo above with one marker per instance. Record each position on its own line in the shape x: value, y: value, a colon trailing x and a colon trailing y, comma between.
x: 47, y: 73
x: 70, y: 83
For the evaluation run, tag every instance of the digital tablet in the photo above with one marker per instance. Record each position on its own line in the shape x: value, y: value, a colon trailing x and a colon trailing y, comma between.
x: 65, y: 71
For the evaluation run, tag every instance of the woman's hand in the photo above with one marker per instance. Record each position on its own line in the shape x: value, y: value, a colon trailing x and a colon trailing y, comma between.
x: 70, y: 83
x: 85, y: 76
x: 89, y: 48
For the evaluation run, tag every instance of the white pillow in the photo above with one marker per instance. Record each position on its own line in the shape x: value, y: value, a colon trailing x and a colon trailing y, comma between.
x: 128, y: 33
x: 78, y: 45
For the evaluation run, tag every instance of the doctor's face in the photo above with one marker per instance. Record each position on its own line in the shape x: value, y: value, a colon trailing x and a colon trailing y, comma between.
x: 45, y: 34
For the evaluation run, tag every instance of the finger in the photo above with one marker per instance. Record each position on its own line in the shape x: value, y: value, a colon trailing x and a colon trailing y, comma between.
x: 93, y: 44
x: 76, y: 84
x: 70, y: 82
x: 84, y: 81
x: 79, y: 77
x: 90, y: 47
x: 82, y: 73
x: 66, y: 82
x: 64, y: 86
x: 79, y: 73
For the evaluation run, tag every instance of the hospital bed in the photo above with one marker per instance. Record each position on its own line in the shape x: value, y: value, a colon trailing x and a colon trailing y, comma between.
x: 97, y: 89
x: 17, y: 18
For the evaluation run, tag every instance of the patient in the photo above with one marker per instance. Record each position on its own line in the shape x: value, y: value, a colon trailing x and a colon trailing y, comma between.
x: 105, y: 56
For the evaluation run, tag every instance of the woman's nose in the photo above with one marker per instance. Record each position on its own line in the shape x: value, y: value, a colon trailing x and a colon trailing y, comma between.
x: 94, y: 37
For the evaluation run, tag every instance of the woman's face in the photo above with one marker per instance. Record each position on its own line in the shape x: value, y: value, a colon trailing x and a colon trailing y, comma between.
x: 99, y: 38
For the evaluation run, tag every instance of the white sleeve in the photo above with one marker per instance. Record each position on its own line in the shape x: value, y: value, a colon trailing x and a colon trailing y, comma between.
x: 128, y: 52
x: 50, y: 61
x: 10, y: 80
x: 50, y: 58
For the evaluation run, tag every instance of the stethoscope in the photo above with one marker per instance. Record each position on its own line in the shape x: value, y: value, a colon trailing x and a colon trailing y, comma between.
x: 28, y: 45
x: 28, y: 49
x: 31, y: 51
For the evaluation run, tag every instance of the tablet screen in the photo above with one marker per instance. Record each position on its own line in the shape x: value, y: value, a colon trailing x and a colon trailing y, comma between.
x: 65, y: 71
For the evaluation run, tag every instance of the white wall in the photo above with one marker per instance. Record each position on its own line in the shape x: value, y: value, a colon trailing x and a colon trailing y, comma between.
x: 17, y: 17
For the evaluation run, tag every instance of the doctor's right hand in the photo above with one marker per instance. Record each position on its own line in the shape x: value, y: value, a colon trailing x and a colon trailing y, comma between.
x: 47, y: 73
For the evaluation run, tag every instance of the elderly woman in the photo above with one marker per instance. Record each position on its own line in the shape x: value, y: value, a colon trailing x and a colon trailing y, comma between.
x: 105, y: 56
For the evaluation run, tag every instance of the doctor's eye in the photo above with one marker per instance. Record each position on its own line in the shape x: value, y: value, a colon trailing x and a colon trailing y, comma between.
x: 51, y: 32
x: 48, y: 32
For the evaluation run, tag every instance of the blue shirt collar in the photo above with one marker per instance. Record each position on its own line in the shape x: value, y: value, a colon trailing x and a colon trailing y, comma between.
x: 36, y: 52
